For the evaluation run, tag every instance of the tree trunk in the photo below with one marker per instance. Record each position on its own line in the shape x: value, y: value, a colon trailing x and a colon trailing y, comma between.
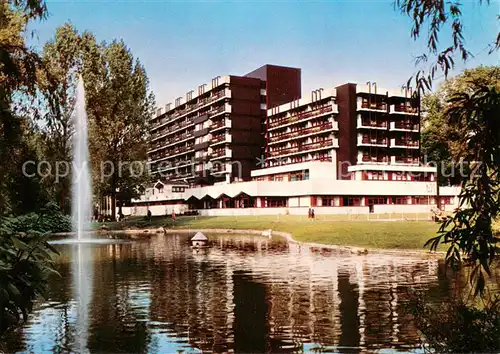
x: 113, y: 196
x: 113, y: 205
x: 438, y: 198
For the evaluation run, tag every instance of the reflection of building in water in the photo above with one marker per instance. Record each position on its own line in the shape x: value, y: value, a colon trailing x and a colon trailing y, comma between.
x: 246, y: 295
x: 237, y: 297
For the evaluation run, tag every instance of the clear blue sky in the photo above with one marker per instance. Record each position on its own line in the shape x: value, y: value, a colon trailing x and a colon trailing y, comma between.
x: 185, y: 43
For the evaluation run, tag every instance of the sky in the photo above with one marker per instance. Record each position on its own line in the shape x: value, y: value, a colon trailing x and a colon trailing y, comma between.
x: 183, y: 44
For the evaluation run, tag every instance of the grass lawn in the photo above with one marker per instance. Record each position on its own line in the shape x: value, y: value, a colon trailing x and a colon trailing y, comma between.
x: 370, y: 234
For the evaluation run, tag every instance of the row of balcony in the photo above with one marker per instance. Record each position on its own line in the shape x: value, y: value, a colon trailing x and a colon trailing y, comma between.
x: 298, y: 159
x: 171, y: 152
x: 382, y: 125
x: 382, y: 107
x: 383, y: 142
x: 223, y: 123
x: 319, y: 128
x: 276, y: 122
x: 226, y: 93
x: 220, y: 138
x: 172, y: 129
x: 325, y: 143
x: 220, y: 153
x: 384, y: 159
x: 403, y: 108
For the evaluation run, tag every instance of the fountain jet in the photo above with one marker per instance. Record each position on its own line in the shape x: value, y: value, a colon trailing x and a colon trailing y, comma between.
x: 82, y: 190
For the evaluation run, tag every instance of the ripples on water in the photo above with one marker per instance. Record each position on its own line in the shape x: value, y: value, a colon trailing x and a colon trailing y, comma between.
x: 245, y: 294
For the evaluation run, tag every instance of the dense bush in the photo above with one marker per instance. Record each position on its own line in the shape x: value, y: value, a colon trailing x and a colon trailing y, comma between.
x: 455, y: 326
x: 25, y: 263
x: 49, y: 219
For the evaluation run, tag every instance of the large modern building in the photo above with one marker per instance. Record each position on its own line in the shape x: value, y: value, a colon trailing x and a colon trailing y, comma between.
x: 198, y: 136
x: 246, y: 144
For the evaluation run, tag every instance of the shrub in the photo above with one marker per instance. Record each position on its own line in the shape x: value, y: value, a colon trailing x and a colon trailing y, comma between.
x: 455, y: 326
x: 25, y: 263
x: 49, y: 219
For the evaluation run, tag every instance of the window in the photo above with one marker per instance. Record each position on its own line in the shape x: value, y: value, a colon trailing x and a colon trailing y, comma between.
x: 377, y: 200
x: 178, y: 189
x: 299, y: 176
x: 400, y: 176
x: 376, y: 175
x: 328, y: 201
x: 275, y: 202
x: 399, y: 200
x: 351, y: 201
x: 422, y: 200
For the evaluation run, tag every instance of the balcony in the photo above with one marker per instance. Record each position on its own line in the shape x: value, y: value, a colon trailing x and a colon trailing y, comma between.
x: 405, y: 126
x: 171, y: 129
x: 403, y: 109
x: 407, y: 160
x: 368, y: 141
x: 322, y: 144
x: 372, y: 124
x: 364, y: 158
x: 225, y: 108
x: 180, y: 149
x: 379, y: 107
x: 221, y: 153
x: 220, y: 139
x: 223, y: 123
x: 316, y: 129
x: 405, y: 144
x: 293, y: 119
x: 225, y: 93
x: 219, y: 168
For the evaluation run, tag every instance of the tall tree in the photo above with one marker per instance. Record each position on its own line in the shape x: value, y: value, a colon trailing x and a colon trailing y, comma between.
x: 119, y: 103
x: 441, y: 141
x: 18, y: 75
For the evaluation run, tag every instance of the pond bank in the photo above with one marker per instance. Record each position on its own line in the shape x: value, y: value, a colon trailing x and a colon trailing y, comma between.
x: 355, y: 250
x: 329, y: 230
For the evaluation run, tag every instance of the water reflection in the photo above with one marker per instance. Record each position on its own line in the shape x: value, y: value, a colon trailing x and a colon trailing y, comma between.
x: 242, y: 295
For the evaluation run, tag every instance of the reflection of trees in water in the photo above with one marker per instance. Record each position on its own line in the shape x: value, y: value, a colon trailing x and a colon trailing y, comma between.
x: 247, y: 295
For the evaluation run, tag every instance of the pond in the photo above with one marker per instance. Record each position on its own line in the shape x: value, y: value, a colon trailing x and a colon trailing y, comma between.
x: 244, y: 294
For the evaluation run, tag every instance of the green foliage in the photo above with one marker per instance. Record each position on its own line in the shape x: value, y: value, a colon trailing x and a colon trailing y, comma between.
x: 48, y: 219
x: 455, y: 326
x: 470, y: 230
x: 430, y: 17
x: 25, y: 264
x: 119, y: 104
x: 441, y: 141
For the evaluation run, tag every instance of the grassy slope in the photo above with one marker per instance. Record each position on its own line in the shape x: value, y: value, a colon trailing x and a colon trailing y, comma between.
x: 371, y: 234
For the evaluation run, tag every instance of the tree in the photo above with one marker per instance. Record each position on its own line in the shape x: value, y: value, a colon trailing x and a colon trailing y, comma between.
x: 470, y: 230
x: 18, y: 67
x: 441, y: 142
x: 119, y: 103
x: 430, y: 17
x: 25, y: 260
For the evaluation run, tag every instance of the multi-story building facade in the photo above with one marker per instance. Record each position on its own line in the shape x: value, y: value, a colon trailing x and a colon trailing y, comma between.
x: 252, y: 142
x: 202, y: 135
